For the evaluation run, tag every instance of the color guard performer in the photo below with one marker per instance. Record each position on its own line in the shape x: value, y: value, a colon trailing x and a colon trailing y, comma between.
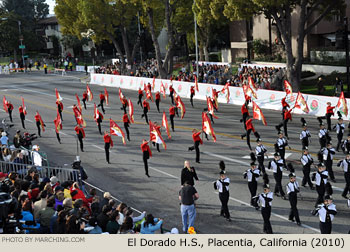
x: 126, y: 122
x: 9, y: 109
x: 60, y: 108
x: 102, y: 100
x: 329, y: 113
x: 287, y: 117
x: 285, y: 106
x: 108, y: 144
x: 38, y: 123
x: 99, y: 121
x: 171, y: 95
x: 197, y: 141
x: 140, y: 92
x: 245, y: 113
x: 304, y: 135
x: 249, y: 128
x: 81, y: 135
x: 265, y: 200
x: 125, y: 104
x: 222, y: 185
x: 85, y: 97
x: 157, y: 100
x: 146, y: 151
x: 145, y: 109
x: 193, y: 92
x: 172, y: 115
x: 22, y: 115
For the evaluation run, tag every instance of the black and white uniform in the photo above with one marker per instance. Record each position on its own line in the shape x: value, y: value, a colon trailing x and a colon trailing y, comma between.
x: 224, y: 195
x: 340, y: 132
x: 326, y: 215
x: 277, y: 167
x: 292, y: 191
x: 260, y: 154
x: 346, y: 146
x: 328, y: 160
x: 304, y: 137
x: 252, y: 177
x: 321, y: 181
x: 345, y: 164
x: 281, y: 145
x: 323, y: 137
x: 265, y: 200
x: 307, y: 161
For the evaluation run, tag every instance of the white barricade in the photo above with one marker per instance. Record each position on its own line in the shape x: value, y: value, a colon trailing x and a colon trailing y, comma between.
x: 267, y: 99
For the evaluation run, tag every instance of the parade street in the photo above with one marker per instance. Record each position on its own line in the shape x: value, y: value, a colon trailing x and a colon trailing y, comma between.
x: 125, y: 177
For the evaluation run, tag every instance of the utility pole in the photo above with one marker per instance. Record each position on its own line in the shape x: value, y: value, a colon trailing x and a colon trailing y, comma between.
x: 21, y: 39
x: 139, y: 26
x: 196, y: 39
x: 346, y: 41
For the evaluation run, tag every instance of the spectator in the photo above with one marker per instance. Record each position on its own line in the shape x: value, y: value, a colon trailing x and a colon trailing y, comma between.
x: 27, y: 215
x: 105, y: 200
x: 73, y: 226
x: 45, y: 216
x: 127, y: 226
x: 121, y: 208
x: 113, y: 225
x: 104, y: 217
x: 187, y: 195
x: 320, y: 86
x: 93, y: 224
x: 4, y: 139
x: 151, y: 224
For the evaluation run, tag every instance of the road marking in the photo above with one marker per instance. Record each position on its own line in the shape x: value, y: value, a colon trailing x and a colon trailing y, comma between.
x: 267, y: 170
x: 270, y: 156
x: 165, y: 173
x: 274, y: 214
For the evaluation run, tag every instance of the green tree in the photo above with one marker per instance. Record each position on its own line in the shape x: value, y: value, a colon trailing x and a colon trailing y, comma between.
x: 308, y: 13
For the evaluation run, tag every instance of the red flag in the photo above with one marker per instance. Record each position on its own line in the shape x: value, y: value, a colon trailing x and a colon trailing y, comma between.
x: 121, y: 96
x: 149, y: 94
x: 166, y: 125
x: 24, y: 107
x: 58, y: 96
x: 154, y: 83
x: 196, y: 82
x: 89, y: 93
x: 78, y: 101
x: 162, y: 89
x: 41, y: 122
x: 131, y: 111
x: 4, y: 103
x: 206, y: 126
x: 215, y: 97
x: 180, y: 105
x: 300, y: 103
x: 249, y: 92
x: 58, y: 123
x: 227, y: 90
x: 258, y: 114
x: 155, y: 135
x: 287, y: 87
x: 96, y: 113
x: 106, y: 96
x: 211, y: 107
x: 79, y: 116
x: 251, y: 83
x: 342, y: 105
x: 116, y: 130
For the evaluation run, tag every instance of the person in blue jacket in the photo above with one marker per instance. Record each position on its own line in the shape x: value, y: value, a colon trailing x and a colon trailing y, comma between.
x: 27, y: 215
x: 150, y: 225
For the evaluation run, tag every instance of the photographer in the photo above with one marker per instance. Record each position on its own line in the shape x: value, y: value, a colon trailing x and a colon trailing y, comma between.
x: 27, y: 139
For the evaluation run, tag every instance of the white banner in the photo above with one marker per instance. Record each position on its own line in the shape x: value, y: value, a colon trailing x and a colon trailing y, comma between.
x: 267, y: 99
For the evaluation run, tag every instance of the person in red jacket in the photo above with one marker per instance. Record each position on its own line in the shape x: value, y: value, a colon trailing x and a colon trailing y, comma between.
x: 37, y: 122
x: 197, y: 141
x: 60, y: 108
x: 171, y: 90
x: 329, y: 113
x: 126, y: 122
x: 157, y: 126
x: 157, y: 100
x: 172, y: 115
x: 85, y: 97
x: 102, y: 100
x: 147, y: 153
x: 140, y: 97
x: 193, y: 92
x: 249, y: 129
x: 22, y: 115
x: 99, y: 121
x: 81, y: 135
x: 124, y: 104
x: 145, y: 109
x: 245, y: 113
x: 108, y: 143
x: 9, y: 109
x: 285, y: 106
x: 149, y: 87
x: 286, y: 118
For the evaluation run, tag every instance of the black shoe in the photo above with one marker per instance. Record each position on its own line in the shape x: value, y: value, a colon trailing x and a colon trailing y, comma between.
x: 344, y: 196
x: 82, y: 150
x: 228, y: 219
x: 221, y: 214
x: 284, y: 197
x: 292, y: 220
x: 333, y: 180
x: 241, y: 137
x: 312, y: 188
x: 299, y: 223
x: 148, y: 175
x: 198, y: 162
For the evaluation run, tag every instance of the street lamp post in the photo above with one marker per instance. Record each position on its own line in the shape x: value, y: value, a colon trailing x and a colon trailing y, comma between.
x: 21, y: 39
x: 196, y: 40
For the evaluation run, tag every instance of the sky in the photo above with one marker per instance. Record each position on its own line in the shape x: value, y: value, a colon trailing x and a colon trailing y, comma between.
x: 52, y: 5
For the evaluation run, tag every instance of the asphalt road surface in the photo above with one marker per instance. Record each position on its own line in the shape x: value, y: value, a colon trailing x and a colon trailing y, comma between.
x: 125, y: 176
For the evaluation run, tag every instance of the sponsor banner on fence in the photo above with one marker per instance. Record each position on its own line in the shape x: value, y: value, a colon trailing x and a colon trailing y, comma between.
x: 267, y: 99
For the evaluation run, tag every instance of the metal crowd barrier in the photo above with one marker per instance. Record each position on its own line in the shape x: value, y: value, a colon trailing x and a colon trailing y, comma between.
x: 63, y: 174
